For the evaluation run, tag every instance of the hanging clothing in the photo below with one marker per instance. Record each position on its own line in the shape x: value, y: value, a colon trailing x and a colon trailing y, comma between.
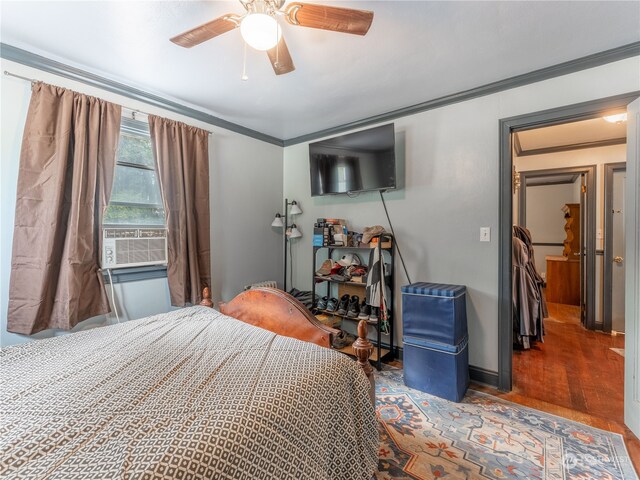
x: 525, y: 300
x: 378, y: 292
x: 529, y: 304
x: 524, y: 235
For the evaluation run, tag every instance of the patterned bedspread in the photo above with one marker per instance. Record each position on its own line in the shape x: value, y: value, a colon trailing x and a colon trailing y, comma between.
x: 186, y: 395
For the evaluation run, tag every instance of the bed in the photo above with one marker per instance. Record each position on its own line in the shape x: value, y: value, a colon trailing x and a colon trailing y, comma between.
x: 251, y: 392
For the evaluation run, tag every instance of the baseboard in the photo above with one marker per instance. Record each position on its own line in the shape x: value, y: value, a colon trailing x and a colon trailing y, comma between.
x: 484, y: 376
x: 397, y: 351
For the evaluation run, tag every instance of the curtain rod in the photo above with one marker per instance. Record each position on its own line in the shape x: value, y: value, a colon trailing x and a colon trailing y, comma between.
x: 133, y: 110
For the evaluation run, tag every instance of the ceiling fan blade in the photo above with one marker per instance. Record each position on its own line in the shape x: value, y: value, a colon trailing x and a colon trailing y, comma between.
x: 338, y: 19
x: 281, y: 58
x: 207, y: 31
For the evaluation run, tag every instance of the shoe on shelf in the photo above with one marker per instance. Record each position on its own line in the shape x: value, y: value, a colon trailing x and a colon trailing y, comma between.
x: 373, y: 317
x: 354, y: 307
x: 332, y: 304
x: 322, y: 304
x: 344, y: 304
x: 342, y: 339
x: 365, y: 311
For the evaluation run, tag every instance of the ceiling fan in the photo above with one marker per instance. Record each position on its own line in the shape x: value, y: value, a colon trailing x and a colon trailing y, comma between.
x: 260, y: 29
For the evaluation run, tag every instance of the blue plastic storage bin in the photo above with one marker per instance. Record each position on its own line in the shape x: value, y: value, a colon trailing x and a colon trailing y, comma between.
x: 434, y: 311
x: 435, y: 368
x: 434, y: 327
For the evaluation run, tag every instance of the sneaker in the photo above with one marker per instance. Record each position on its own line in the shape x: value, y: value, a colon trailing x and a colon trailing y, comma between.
x: 322, y: 304
x: 325, y: 268
x: 332, y: 305
x: 342, y: 339
x: 365, y: 311
x: 344, y: 304
x: 373, y: 317
x: 354, y: 307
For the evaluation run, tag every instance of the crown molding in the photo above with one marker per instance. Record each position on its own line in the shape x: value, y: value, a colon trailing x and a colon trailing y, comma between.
x: 24, y: 57
x: 30, y: 59
x: 565, y: 68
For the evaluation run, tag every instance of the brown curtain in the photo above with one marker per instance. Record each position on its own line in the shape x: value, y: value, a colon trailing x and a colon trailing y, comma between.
x: 64, y: 183
x: 181, y: 153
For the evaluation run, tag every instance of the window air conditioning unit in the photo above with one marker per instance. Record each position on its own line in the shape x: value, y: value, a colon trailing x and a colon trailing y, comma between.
x: 133, y: 247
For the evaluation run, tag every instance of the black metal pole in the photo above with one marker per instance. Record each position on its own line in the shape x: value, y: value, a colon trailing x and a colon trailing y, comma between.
x: 284, y: 234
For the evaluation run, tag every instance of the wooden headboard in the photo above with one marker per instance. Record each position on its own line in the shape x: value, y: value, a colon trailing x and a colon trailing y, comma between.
x: 280, y: 313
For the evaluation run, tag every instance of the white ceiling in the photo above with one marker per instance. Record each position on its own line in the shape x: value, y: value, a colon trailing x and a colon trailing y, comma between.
x: 415, y: 51
x: 574, y: 133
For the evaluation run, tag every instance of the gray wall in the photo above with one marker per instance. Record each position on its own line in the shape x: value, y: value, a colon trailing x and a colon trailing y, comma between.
x: 545, y: 219
x: 451, y: 191
x: 245, y: 187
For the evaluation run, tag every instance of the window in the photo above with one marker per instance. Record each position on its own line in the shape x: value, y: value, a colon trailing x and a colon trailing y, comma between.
x: 135, y: 196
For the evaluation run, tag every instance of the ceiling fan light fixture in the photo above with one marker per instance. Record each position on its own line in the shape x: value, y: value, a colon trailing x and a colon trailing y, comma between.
x: 260, y: 30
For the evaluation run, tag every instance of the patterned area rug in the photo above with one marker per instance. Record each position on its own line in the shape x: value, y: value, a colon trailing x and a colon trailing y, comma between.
x: 426, y: 437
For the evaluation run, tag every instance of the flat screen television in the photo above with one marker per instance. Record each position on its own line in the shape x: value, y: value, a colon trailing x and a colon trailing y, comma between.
x: 356, y: 162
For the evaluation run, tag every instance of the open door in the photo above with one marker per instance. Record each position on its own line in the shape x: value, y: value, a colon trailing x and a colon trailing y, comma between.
x: 632, y: 272
x: 583, y: 250
x: 617, y: 251
x: 614, y: 261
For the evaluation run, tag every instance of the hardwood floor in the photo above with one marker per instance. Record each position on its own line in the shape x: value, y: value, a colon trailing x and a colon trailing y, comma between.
x: 574, y: 374
x: 574, y: 367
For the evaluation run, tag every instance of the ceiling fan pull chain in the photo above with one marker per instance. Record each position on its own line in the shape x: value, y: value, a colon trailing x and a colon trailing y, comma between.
x: 244, y: 76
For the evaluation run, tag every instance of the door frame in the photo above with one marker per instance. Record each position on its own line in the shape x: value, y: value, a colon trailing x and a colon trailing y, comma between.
x: 507, y: 126
x: 607, y: 279
x: 587, y: 244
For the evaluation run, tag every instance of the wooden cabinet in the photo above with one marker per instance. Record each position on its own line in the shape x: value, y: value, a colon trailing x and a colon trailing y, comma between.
x: 563, y: 272
x: 563, y: 280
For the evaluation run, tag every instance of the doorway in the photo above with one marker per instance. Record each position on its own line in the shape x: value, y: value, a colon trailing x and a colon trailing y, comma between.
x: 508, y: 126
x: 559, y: 116
x: 568, y: 263
x: 614, y: 262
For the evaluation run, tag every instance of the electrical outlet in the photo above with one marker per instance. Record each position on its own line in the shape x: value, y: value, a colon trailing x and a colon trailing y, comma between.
x: 485, y: 234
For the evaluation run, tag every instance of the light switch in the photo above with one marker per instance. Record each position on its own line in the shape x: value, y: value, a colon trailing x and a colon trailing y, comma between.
x: 485, y: 234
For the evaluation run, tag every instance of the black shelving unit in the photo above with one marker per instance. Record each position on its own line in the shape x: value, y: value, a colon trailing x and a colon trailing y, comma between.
x: 379, y: 354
